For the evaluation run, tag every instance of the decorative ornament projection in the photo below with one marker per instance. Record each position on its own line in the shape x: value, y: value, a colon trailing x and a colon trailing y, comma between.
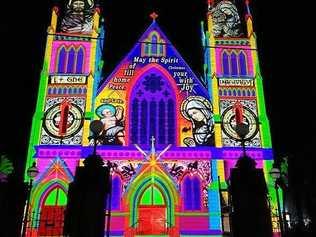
x: 78, y: 16
x: 230, y: 119
x: 199, y: 111
x: 226, y: 21
x: 63, y: 120
x: 113, y: 119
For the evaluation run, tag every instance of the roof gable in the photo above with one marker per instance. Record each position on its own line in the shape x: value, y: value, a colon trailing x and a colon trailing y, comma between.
x: 153, y: 47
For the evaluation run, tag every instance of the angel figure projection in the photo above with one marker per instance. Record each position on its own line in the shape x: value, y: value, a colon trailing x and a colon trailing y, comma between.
x: 113, y: 119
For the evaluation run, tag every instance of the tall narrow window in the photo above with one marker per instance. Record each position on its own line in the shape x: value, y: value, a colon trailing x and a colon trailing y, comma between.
x: 234, y: 65
x: 143, y: 129
x: 61, y: 60
x: 80, y: 61
x: 187, y: 191
x: 225, y: 61
x: 171, y: 122
x: 116, y: 193
x: 154, y: 45
x: 242, y: 64
x: 134, y: 137
x: 191, y: 193
x: 161, y: 48
x: 196, y: 185
x: 152, y: 118
x: 146, y: 48
x: 71, y: 60
x: 162, y: 122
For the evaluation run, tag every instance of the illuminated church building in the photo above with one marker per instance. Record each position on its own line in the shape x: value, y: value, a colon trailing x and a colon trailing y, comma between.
x: 170, y: 135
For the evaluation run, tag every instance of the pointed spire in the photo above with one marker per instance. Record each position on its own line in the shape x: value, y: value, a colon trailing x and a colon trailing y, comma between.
x: 210, y: 3
x: 247, y: 7
x: 153, y: 15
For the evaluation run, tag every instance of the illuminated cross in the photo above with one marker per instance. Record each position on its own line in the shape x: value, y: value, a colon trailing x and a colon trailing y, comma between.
x: 152, y: 158
x: 154, y: 15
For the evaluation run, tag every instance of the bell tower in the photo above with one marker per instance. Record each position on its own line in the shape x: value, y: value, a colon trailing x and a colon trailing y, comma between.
x: 68, y: 82
x: 234, y: 81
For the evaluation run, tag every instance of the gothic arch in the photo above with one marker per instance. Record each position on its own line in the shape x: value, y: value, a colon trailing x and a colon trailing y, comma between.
x: 129, y: 97
x: 136, y: 189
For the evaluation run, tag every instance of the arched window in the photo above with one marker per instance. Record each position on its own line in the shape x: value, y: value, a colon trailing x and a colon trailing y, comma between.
x: 152, y: 196
x: 234, y: 65
x: 242, y: 64
x: 116, y: 193
x: 61, y: 60
x: 196, y: 185
x: 56, y: 197
x: 153, y: 110
x: 80, y: 61
x: 154, y: 45
x: 191, y: 190
x: 71, y: 60
x: 225, y: 61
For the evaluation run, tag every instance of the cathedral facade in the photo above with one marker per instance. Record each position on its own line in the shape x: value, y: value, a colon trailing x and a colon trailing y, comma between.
x: 170, y: 136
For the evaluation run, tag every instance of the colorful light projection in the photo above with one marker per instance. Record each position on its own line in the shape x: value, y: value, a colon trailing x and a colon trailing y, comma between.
x: 147, y: 91
x: 151, y: 93
x: 78, y: 17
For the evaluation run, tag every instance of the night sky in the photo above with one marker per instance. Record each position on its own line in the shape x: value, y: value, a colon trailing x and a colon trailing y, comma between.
x: 288, y: 87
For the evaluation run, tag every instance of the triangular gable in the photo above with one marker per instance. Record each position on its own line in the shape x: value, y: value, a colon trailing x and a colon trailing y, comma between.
x: 154, y: 87
x: 56, y: 169
x: 165, y: 54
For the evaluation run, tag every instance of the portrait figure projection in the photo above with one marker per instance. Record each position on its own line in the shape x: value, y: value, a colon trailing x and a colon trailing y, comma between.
x: 199, y: 111
x: 112, y: 118
x: 78, y: 16
x: 226, y: 19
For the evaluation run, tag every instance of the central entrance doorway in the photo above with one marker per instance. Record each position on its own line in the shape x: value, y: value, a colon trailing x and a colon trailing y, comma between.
x: 152, y: 218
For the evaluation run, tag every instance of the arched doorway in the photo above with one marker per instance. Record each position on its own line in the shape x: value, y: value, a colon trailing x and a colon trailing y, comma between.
x: 52, y: 213
x: 152, y: 212
x: 152, y: 202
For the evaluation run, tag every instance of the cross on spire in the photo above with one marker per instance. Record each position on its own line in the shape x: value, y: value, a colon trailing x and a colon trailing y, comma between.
x: 153, y: 150
x: 153, y: 15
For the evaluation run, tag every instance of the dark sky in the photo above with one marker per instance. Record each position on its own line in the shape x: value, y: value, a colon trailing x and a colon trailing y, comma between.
x: 288, y: 90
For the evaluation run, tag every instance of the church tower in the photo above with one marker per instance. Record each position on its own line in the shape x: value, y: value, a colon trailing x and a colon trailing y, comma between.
x: 169, y: 137
x: 236, y: 88
x: 71, y: 71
